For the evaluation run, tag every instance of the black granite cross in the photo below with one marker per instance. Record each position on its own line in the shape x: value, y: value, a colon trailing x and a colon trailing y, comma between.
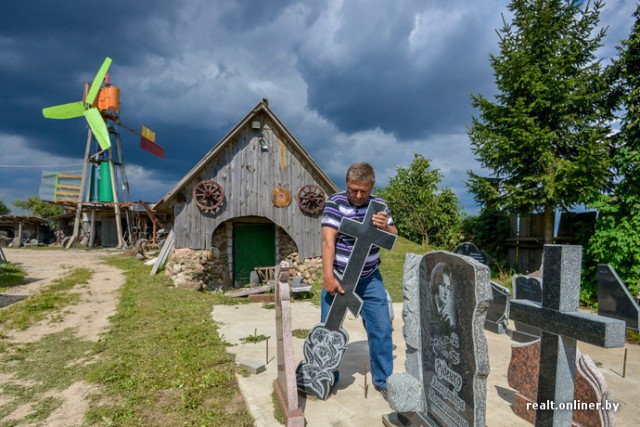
x: 562, y: 325
x: 367, y: 235
x: 326, y: 344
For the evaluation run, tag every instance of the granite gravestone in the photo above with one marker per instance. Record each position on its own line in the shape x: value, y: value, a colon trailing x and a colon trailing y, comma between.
x: 445, y: 305
x: 614, y: 299
x: 525, y: 287
x: 593, y: 400
x: 326, y: 344
x: 285, y: 383
x: 470, y: 249
x: 562, y: 324
x: 529, y: 288
x: 498, y: 312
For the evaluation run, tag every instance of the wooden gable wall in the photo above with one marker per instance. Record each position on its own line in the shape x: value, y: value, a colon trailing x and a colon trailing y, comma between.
x: 248, y: 176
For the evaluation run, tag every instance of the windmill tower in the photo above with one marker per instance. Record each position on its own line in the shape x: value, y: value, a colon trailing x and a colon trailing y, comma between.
x: 101, y: 108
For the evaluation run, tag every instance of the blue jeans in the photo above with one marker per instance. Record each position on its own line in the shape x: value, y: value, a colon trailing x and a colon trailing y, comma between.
x: 375, y: 317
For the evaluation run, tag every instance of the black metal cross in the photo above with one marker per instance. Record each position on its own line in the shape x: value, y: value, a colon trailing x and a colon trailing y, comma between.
x: 367, y: 235
x: 562, y: 325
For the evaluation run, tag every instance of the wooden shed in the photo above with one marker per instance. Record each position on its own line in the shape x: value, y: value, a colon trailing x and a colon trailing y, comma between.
x: 255, y: 198
x: 21, y: 229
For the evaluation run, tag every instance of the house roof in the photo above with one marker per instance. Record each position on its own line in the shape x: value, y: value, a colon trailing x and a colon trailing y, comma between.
x: 25, y: 219
x: 261, y: 107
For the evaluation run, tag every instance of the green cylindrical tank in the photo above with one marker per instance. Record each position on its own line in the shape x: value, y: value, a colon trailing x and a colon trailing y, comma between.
x: 93, y: 184
x: 106, y: 192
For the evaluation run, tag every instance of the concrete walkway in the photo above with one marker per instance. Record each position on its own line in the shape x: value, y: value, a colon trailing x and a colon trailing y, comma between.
x: 348, y: 406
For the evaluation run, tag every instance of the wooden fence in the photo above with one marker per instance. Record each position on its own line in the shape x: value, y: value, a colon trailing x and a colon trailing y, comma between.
x: 526, y: 237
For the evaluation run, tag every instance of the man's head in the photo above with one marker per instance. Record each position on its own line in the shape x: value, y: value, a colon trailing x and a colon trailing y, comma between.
x: 360, y: 180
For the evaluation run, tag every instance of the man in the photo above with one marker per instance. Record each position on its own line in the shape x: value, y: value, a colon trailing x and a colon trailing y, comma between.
x: 336, y: 250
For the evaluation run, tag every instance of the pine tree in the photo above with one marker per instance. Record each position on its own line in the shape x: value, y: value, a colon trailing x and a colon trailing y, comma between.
x: 543, y: 138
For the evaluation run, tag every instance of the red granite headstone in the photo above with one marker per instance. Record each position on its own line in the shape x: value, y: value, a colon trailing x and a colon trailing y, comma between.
x: 285, y: 383
x: 590, y: 387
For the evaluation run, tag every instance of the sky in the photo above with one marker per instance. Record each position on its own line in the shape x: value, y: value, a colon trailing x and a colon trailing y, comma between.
x: 353, y: 80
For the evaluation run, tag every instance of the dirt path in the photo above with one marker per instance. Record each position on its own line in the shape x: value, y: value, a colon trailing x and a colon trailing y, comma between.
x: 88, y: 319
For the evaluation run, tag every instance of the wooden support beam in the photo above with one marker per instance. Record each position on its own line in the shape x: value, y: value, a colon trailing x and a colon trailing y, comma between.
x: 76, y: 224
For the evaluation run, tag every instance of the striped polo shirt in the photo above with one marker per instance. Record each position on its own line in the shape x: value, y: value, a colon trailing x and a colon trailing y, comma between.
x: 338, y: 207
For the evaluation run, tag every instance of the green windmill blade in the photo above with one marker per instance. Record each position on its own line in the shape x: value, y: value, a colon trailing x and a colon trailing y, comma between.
x: 64, y: 111
x: 97, y: 81
x: 98, y: 127
x: 86, y: 109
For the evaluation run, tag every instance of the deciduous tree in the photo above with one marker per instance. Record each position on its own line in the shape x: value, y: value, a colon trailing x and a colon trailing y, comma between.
x: 4, y: 210
x: 422, y: 212
x: 38, y: 207
x: 617, y: 237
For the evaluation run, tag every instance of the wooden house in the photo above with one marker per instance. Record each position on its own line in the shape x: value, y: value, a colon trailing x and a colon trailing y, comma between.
x: 253, y: 199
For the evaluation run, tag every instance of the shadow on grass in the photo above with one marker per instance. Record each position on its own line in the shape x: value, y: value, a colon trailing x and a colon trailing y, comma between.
x: 11, y: 275
x: 7, y: 300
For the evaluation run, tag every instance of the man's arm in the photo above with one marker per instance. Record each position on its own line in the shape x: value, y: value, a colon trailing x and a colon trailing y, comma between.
x: 329, y: 282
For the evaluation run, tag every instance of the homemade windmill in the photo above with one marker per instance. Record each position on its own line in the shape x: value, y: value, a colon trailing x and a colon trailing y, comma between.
x: 100, y: 107
x: 87, y: 109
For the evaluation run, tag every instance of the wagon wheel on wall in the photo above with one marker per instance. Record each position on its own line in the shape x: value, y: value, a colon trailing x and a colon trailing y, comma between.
x: 311, y: 199
x: 208, y: 195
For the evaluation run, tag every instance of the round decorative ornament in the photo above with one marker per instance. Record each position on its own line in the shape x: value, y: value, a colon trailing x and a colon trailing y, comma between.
x: 311, y: 199
x: 281, y: 197
x: 208, y: 195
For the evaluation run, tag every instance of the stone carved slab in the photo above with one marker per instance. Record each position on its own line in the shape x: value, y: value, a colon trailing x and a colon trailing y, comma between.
x: 470, y: 249
x: 447, y: 355
x: 614, y: 299
x: 526, y: 287
x: 498, y: 312
x: 590, y: 387
x: 529, y: 288
x: 326, y: 344
x: 285, y: 383
x: 249, y: 291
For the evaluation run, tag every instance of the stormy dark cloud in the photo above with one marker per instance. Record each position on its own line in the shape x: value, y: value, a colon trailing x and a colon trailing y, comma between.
x: 370, y: 80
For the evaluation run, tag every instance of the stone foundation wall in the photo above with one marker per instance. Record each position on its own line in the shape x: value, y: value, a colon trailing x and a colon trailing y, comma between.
x: 310, y: 269
x: 286, y: 245
x: 202, y: 269
x: 220, y: 263
x: 190, y: 269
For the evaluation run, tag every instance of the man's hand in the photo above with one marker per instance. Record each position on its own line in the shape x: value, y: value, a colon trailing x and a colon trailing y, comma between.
x: 331, y: 285
x: 381, y: 220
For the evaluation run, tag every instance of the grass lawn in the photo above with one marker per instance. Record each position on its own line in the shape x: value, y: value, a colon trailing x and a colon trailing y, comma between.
x: 392, y: 267
x: 10, y: 275
x: 162, y: 362
x: 53, y: 298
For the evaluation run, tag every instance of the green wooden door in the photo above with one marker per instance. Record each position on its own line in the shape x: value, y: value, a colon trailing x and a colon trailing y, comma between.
x: 254, y: 245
